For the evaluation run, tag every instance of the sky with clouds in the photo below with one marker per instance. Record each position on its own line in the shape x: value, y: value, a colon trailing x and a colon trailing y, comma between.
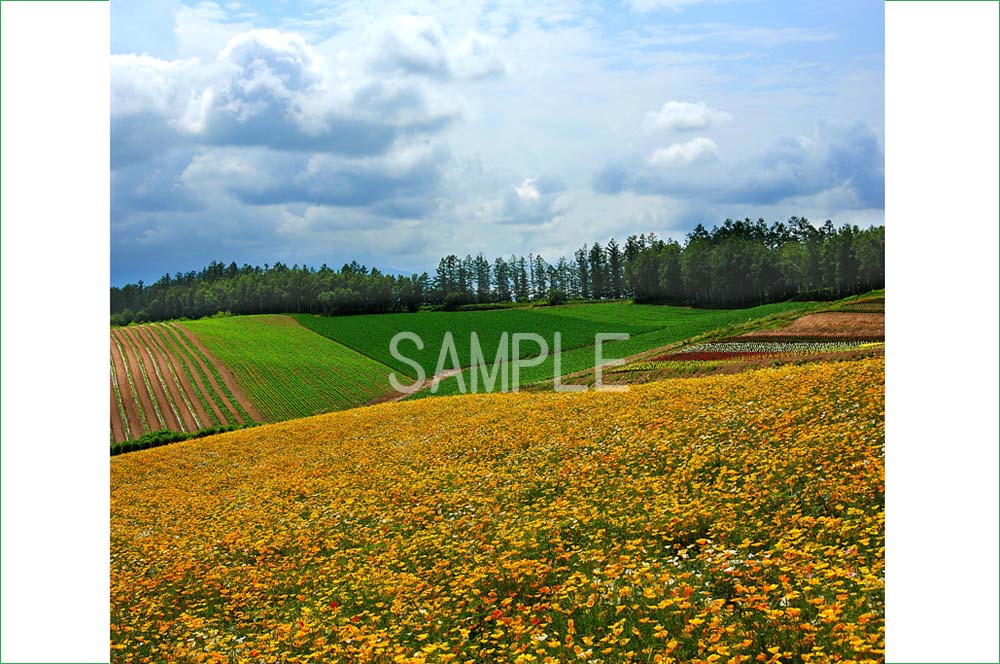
x: 307, y: 132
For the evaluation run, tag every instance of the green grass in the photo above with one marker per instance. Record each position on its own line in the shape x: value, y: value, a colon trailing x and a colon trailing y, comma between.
x: 649, y: 327
x: 288, y: 371
x: 576, y: 324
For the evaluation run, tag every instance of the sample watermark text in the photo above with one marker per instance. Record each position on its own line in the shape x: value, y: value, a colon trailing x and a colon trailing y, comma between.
x: 505, y: 372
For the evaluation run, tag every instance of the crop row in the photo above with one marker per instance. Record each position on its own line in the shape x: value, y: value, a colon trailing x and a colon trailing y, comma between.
x: 675, y: 324
x: 222, y: 395
x: 287, y: 370
x: 755, y: 345
x: 157, y: 385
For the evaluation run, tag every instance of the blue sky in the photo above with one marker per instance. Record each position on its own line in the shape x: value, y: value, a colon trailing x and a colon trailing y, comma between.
x: 394, y: 133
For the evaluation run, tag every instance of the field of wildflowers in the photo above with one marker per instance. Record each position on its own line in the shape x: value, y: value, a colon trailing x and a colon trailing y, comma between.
x: 722, y: 519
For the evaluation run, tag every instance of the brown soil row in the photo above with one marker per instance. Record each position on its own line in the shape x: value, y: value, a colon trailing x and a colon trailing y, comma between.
x: 830, y: 324
x: 117, y: 426
x: 132, y: 407
x: 223, y: 416
x: 136, y: 367
x: 173, y: 373
x: 227, y: 376
x: 749, y: 364
x: 139, y: 361
x: 233, y: 414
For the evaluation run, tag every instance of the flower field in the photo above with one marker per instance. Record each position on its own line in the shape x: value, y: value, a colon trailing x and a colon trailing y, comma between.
x: 751, y: 347
x: 723, y: 519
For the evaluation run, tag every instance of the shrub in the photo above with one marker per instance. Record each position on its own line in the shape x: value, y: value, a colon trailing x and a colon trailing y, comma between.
x: 557, y: 296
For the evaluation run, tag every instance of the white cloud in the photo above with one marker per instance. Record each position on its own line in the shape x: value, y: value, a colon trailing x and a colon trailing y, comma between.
x: 682, y: 154
x: 350, y: 118
x: 527, y: 191
x: 684, y: 116
x: 844, y: 161
x: 203, y: 29
x: 536, y: 200
x: 417, y: 45
x: 265, y: 88
x: 645, y: 6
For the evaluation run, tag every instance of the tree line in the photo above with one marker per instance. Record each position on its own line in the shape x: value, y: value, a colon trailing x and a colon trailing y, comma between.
x: 739, y: 263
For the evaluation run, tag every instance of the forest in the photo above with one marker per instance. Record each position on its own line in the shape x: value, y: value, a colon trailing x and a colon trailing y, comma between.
x: 739, y: 263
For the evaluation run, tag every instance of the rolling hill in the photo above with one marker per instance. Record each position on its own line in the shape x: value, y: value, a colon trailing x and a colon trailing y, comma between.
x: 731, y: 518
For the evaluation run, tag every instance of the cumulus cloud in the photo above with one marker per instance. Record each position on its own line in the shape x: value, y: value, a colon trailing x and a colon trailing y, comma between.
x: 417, y: 45
x: 307, y: 142
x: 684, y: 116
x: 532, y: 201
x: 845, y: 158
x: 682, y: 154
x: 402, y: 183
x: 266, y: 88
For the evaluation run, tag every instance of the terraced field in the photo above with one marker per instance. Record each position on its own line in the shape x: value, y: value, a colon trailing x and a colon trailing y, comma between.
x: 285, y: 369
x: 161, y: 378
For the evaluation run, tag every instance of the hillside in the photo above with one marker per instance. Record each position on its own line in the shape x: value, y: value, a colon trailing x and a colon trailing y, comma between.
x: 193, y: 375
x: 163, y: 378
x: 287, y: 370
x: 649, y: 327
x: 731, y: 518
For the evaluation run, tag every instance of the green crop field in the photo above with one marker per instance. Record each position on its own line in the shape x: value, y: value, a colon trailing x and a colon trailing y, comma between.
x: 576, y: 324
x: 288, y: 371
x: 649, y: 327
x: 674, y: 324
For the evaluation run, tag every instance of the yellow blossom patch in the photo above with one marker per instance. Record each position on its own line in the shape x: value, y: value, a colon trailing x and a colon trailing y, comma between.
x: 733, y: 518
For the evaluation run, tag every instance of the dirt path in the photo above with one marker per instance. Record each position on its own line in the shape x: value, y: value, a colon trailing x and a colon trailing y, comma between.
x: 227, y: 376
x: 232, y: 413
x: 129, y: 401
x: 168, y: 343
x: 201, y: 413
x: 427, y: 385
x: 157, y: 382
x: 117, y: 426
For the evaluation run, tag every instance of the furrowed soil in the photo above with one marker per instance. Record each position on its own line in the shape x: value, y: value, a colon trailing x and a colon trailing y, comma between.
x: 152, y: 342
x: 135, y: 361
x: 128, y: 399
x: 117, y: 426
x: 830, y: 324
x: 181, y: 341
x: 137, y: 356
x: 227, y: 376
x: 167, y: 343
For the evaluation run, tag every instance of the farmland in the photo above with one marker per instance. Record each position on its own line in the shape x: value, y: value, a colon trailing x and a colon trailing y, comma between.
x: 648, y: 326
x: 161, y: 379
x: 730, y: 518
x: 192, y: 375
x: 288, y: 371
x: 849, y: 329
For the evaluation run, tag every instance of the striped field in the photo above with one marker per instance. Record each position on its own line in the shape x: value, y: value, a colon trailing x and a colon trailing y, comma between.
x: 288, y: 371
x: 162, y: 378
